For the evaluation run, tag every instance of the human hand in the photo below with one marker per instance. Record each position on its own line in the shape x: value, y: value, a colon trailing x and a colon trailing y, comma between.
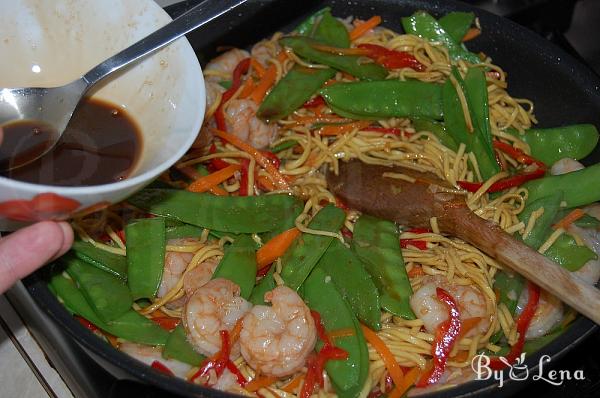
x: 27, y: 249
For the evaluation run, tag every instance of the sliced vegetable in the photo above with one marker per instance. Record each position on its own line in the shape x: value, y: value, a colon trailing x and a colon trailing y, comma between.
x: 476, y: 90
x: 424, y: 25
x: 307, y: 48
x: 552, y: 144
x: 377, y: 244
x: 239, y: 265
x: 248, y: 214
x: 101, y: 259
x: 331, y: 31
x: 241, y: 68
x: 204, y: 184
x: 353, y: 282
x: 276, y: 247
x: 177, y: 347
x: 265, y: 83
x: 457, y: 24
x: 349, y: 375
x: 386, y: 355
x: 509, y: 286
x: 106, y: 294
x: 304, y: 253
x: 551, y: 205
x: 438, y: 129
x: 145, y: 256
x: 306, y: 28
x: 182, y: 230
x: 566, y: 252
x: 391, y: 59
x: 284, y: 145
x: 364, y: 27
x: 384, y: 99
x: 586, y: 221
x: 266, y: 284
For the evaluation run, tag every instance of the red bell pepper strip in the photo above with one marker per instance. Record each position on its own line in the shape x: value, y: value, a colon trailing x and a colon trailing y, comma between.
x: 216, y: 163
x: 162, y: 368
x: 217, y: 362
x: 314, y: 102
x: 274, y: 159
x: 517, y: 154
x: 391, y: 59
x: 445, y: 338
x: 314, y: 374
x: 419, y: 244
x: 239, y: 70
x: 166, y: 322
x: 243, y: 191
x: 236, y: 372
x: 523, y: 323
x: 86, y: 324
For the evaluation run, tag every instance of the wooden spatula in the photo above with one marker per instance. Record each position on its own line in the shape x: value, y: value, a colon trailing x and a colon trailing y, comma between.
x: 363, y: 187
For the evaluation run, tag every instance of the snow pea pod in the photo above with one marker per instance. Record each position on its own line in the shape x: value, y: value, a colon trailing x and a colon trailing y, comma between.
x: 106, y: 294
x: 307, y: 27
x: 437, y: 128
x: 539, y: 233
x: 293, y: 90
x: 130, y: 326
x: 476, y: 90
x: 239, y: 264
x: 456, y: 125
x: 145, y: 256
x: 353, y: 282
x: 384, y: 99
x: 236, y: 214
x: 304, y: 253
x: 579, y: 188
x: 552, y: 144
x: 181, y: 230
x: 456, y: 24
x: 586, y: 221
x: 306, y: 47
x: 424, y: 25
x: 509, y: 285
x: 377, y: 244
x: 178, y: 347
x: 101, y: 259
x: 332, y: 32
x: 348, y: 376
x: 266, y: 284
x: 566, y: 252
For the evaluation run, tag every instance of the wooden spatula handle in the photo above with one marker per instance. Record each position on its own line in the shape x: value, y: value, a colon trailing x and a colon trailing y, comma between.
x: 492, y: 240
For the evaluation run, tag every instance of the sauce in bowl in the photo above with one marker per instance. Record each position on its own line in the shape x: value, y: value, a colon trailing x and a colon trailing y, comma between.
x: 101, y: 145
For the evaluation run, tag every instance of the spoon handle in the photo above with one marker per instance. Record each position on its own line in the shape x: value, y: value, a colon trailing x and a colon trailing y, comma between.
x: 200, y: 15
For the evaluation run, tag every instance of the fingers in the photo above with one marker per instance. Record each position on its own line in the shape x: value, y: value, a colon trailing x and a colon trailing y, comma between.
x: 26, y: 250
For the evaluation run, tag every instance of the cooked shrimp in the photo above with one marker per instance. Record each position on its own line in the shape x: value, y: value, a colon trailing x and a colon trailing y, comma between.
x: 565, y: 165
x: 276, y: 340
x: 432, y: 312
x: 214, y: 307
x: 241, y: 120
x: 228, y: 382
x: 265, y: 50
x: 221, y: 67
x: 548, y: 314
x: 149, y: 354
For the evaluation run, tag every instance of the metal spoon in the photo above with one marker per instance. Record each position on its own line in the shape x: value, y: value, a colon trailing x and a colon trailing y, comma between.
x: 52, y: 108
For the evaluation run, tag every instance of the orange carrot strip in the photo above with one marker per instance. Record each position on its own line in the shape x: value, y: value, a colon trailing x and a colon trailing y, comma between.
x: 260, y: 382
x: 275, y: 247
x: 264, y: 84
x: 194, y: 175
x: 292, y: 385
x: 265, y: 183
x: 339, y: 129
x: 203, y: 184
x: 471, y: 34
x: 247, y: 88
x: 339, y: 333
x: 340, y: 51
x: 279, y: 181
x: 258, y: 68
x: 569, y: 219
x: 386, y: 355
x: 409, y: 379
x: 416, y: 271
x: 364, y: 27
x: 235, y: 332
x: 112, y: 340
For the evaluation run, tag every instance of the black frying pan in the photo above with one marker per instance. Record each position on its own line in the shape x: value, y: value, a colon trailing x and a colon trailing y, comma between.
x: 563, y: 90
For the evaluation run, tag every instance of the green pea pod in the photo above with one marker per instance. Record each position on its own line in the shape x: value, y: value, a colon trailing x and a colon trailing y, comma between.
x: 145, y: 256
x: 457, y: 24
x: 456, y: 125
x: 306, y: 48
x: 239, y: 264
x: 106, y: 294
x: 182, y: 231
x: 179, y: 348
x: 549, y: 145
x: 307, y: 27
x: 353, y: 282
x: 538, y: 343
x: 539, y: 233
x: 476, y: 90
x: 509, y: 286
x: 424, y: 25
x: 101, y: 259
x: 266, y: 284
x: 293, y: 90
x: 437, y: 128
x: 377, y: 244
x: 388, y: 98
x: 348, y: 376
x: 130, y: 326
x: 586, y: 221
x: 332, y: 32
x: 304, y: 253
x: 566, y: 252
x: 236, y: 214
x: 226, y: 84
x: 579, y: 187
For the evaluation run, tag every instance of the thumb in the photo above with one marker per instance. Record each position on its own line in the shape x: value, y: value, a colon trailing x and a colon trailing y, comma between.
x: 26, y: 250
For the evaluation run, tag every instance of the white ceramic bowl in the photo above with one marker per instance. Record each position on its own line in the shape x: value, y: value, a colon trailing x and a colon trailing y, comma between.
x: 49, y: 43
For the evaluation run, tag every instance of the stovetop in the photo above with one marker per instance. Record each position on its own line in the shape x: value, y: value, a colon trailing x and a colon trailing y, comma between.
x: 568, y: 23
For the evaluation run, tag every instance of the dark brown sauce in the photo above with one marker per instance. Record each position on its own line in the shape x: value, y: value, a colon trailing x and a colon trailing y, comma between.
x: 101, y: 145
